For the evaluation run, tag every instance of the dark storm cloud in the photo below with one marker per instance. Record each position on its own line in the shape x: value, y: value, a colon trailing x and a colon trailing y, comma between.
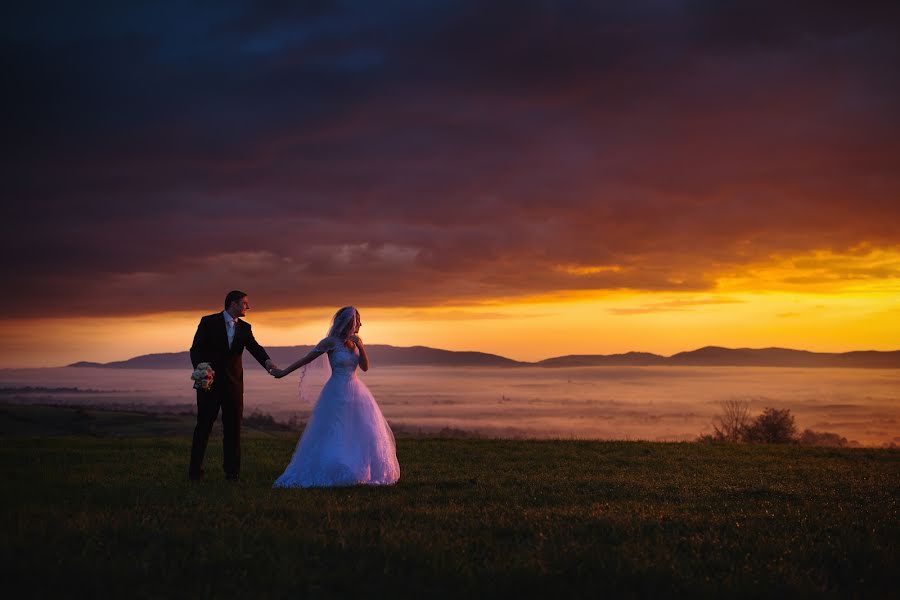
x: 158, y: 153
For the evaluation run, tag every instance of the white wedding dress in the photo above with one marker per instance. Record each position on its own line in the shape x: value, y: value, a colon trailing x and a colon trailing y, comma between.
x: 347, y: 440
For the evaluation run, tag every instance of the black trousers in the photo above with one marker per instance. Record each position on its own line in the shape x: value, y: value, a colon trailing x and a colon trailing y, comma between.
x: 208, y: 406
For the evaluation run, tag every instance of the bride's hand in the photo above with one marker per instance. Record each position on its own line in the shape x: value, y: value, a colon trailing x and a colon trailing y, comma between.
x: 277, y: 373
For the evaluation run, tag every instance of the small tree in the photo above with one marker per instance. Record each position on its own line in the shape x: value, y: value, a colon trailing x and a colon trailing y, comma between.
x: 731, y: 425
x: 773, y: 426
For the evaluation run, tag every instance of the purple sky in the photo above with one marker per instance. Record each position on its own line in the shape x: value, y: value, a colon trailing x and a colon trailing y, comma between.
x: 157, y: 154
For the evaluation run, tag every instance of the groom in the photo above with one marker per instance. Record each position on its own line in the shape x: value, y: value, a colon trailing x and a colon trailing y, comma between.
x: 220, y: 341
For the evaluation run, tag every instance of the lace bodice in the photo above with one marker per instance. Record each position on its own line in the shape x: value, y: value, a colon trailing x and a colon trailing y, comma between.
x: 343, y: 361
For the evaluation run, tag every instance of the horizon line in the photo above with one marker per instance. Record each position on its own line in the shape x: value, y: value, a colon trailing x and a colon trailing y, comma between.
x: 524, y: 362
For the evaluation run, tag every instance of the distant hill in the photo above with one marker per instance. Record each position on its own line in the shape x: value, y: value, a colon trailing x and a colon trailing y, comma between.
x: 167, y: 360
x: 714, y: 356
x: 785, y: 357
x: 709, y: 356
x: 631, y: 359
x: 285, y: 355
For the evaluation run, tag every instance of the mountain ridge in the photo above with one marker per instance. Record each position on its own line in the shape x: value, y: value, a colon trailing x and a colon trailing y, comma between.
x: 709, y: 356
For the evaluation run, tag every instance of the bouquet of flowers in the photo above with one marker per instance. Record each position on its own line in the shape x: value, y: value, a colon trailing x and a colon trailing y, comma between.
x: 203, y: 376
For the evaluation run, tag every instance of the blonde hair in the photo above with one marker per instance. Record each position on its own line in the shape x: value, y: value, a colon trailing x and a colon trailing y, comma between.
x: 343, y: 322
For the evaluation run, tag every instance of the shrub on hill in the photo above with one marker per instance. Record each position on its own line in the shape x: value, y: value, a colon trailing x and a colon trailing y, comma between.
x: 734, y: 424
x: 731, y: 425
x: 773, y: 426
x: 822, y: 438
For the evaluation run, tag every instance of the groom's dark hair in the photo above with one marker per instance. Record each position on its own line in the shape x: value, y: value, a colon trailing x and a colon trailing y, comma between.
x: 233, y: 296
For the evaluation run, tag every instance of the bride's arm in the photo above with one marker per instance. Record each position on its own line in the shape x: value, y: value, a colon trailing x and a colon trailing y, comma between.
x: 311, y: 356
x: 363, y: 357
x: 320, y: 349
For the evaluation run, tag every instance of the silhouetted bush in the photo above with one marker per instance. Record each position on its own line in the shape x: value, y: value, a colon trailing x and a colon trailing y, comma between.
x: 731, y: 425
x: 822, y: 438
x: 773, y: 426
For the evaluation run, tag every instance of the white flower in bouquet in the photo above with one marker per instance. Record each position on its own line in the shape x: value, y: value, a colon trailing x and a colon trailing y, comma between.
x: 203, y: 376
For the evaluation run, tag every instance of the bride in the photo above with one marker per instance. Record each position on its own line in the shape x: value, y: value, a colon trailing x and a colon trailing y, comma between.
x: 347, y: 440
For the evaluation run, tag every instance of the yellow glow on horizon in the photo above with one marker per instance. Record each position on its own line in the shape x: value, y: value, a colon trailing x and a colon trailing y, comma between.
x: 663, y: 323
x: 820, y: 301
x: 862, y: 270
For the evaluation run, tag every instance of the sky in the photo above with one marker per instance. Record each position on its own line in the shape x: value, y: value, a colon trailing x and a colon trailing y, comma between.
x: 531, y: 179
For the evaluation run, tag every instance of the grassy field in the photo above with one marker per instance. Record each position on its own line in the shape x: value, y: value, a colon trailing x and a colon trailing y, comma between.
x: 115, y: 517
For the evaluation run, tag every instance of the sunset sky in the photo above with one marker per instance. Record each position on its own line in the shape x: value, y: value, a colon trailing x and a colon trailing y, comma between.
x: 530, y: 179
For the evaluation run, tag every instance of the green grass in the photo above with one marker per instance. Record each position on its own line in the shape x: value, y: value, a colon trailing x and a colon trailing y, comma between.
x: 116, y: 517
x: 30, y: 420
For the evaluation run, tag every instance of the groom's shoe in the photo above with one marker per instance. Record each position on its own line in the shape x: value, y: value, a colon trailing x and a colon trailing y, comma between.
x: 232, y: 477
x: 198, y: 476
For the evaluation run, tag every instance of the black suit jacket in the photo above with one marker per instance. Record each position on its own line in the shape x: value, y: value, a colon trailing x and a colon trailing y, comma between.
x: 211, y: 346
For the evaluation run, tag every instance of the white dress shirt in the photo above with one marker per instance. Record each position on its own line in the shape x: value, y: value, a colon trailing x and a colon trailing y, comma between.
x: 230, y: 325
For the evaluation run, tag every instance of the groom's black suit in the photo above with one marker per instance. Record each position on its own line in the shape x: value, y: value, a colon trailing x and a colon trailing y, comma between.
x: 227, y: 391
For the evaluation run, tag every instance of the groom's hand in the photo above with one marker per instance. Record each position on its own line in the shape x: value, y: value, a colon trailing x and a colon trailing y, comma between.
x: 277, y: 373
x: 270, y: 366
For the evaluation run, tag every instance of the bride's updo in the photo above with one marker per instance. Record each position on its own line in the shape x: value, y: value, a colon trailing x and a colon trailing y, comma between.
x: 343, y: 322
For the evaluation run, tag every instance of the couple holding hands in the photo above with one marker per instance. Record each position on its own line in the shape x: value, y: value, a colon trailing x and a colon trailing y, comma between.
x: 347, y: 440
